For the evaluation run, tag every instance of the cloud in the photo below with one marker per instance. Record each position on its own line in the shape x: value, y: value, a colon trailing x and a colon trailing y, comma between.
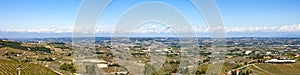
x: 284, y: 28
x: 290, y: 28
x: 160, y: 29
x: 251, y: 29
x: 49, y: 30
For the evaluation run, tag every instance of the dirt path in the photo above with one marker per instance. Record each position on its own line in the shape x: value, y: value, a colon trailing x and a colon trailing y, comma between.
x: 57, y: 72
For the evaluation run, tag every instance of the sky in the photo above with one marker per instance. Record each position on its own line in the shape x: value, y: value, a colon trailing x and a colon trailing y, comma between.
x: 58, y: 16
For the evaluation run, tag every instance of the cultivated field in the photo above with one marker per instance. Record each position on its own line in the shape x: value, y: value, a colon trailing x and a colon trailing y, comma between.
x: 8, y: 67
x: 276, y: 69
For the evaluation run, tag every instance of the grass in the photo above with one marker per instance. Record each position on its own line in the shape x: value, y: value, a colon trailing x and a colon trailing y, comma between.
x: 227, y: 66
x: 256, y: 70
x: 276, y: 69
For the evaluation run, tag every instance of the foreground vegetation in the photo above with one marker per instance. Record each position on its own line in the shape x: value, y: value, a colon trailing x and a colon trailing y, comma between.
x: 9, y: 67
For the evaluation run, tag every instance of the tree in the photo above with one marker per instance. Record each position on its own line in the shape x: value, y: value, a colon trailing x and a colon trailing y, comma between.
x: 68, y: 67
x: 233, y: 73
x: 247, y: 72
x: 245, y: 63
x: 243, y: 73
x: 200, y: 71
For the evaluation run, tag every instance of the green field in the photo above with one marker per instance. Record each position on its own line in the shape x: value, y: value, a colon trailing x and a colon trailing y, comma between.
x: 275, y: 69
x: 8, y: 67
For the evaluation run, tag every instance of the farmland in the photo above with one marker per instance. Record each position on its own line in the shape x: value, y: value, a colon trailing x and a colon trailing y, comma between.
x: 32, y: 56
x: 275, y: 69
x: 10, y: 68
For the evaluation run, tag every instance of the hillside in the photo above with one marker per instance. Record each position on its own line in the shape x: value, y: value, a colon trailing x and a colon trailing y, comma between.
x: 275, y: 69
x: 17, y: 45
x: 10, y: 68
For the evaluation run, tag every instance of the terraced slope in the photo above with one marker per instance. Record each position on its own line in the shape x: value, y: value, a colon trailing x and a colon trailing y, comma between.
x: 8, y: 67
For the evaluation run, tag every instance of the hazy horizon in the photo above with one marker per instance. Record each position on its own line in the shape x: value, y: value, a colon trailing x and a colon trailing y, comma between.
x: 246, y: 18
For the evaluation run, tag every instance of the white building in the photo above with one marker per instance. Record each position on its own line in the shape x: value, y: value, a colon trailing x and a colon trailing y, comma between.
x: 102, y: 65
x: 248, y: 52
x: 280, y: 61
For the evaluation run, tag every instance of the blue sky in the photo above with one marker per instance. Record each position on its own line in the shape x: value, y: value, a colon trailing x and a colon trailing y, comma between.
x: 19, y: 14
x: 45, y: 14
x: 259, y: 12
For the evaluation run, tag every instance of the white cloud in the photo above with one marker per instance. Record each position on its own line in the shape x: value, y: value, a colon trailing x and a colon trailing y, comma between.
x: 284, y: 28
x: 251, y: 29
x: 158, y: 29
x: 290, y: 28
x: 49, y: 30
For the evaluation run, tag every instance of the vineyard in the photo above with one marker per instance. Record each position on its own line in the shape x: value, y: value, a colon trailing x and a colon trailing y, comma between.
x: 8, y: 67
